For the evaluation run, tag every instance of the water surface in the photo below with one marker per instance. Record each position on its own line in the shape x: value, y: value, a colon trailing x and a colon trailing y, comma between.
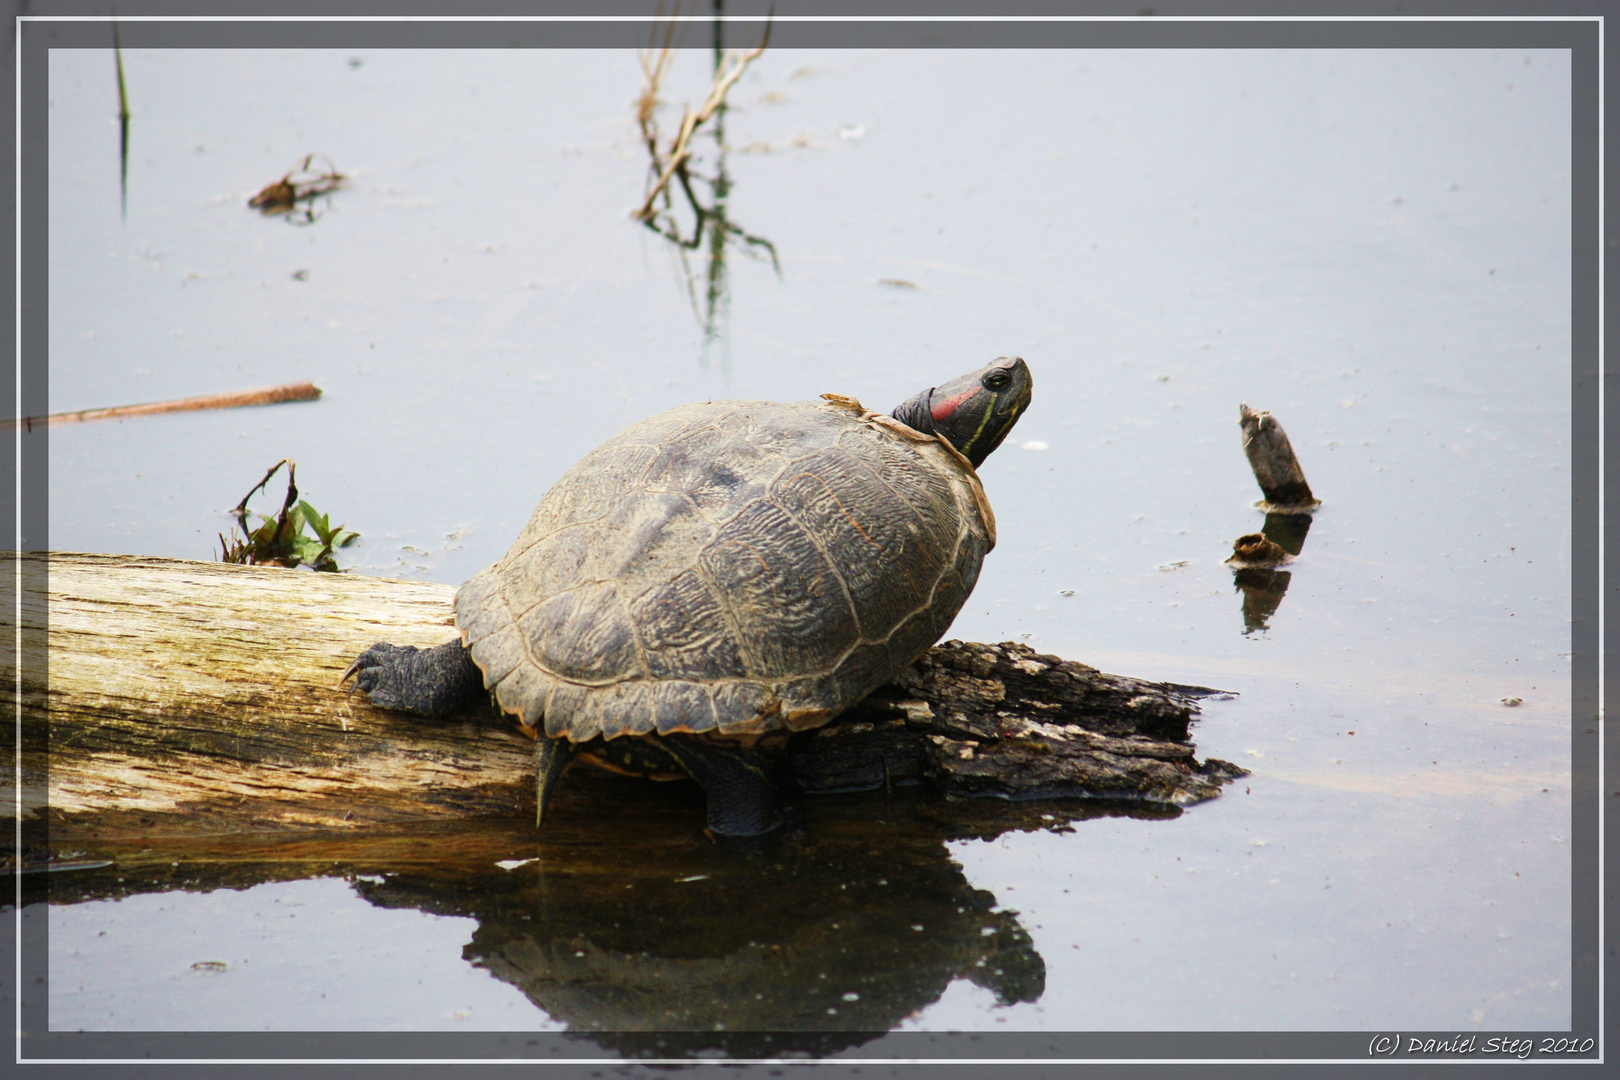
x: 1372, y: 245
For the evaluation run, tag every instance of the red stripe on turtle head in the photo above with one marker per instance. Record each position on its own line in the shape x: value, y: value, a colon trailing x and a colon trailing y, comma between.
x: 943, y: 410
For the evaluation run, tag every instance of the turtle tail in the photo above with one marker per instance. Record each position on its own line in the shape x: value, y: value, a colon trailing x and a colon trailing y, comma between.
x: 551, y: 759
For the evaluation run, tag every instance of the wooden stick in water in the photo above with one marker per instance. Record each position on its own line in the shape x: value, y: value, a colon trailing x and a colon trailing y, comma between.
x: 268, y: 395
x: 1276, y: 469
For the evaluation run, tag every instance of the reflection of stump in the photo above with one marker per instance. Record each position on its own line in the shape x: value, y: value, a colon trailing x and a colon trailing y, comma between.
x: 1276, y: 468
x: 1262, y: 593
x: 1287, y: 531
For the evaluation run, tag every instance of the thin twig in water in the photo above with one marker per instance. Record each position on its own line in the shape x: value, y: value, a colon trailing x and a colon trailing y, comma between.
x: 269, y: 395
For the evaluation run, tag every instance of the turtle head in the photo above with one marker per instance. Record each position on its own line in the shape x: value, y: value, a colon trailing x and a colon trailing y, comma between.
x: 975, y: 412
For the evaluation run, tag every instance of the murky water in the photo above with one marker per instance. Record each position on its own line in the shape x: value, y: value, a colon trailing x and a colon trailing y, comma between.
x: 1374, y: 246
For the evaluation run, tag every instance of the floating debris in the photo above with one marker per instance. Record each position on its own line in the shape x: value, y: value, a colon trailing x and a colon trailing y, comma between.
x: 303, y: 184
x: 513, y: 864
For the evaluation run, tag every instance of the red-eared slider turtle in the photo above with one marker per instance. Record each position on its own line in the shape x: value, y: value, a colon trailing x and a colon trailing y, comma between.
x: 719, y: 576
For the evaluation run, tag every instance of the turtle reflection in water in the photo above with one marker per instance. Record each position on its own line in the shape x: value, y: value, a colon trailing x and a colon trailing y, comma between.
x: 646, y: 940
x: 719, y: 576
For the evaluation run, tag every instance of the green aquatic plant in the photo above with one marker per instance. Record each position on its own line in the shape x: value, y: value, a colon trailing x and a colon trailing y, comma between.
x: 123, y: 127
x: 282, y: 540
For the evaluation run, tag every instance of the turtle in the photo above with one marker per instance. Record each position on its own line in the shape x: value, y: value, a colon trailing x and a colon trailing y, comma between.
x: 720, y: 576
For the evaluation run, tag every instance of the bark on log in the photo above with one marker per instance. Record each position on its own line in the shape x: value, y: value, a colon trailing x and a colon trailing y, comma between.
x: 188, y: 698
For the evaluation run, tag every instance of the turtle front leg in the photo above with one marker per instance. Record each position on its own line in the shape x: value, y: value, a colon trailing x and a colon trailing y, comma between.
x: 742, y: 799
x: 427, y: 682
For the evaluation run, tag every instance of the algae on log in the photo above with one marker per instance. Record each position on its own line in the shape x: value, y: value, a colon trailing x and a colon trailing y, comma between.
x: 192, y: 698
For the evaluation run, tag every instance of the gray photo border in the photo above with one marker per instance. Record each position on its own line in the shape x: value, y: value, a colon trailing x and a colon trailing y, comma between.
x: 1352, y: 25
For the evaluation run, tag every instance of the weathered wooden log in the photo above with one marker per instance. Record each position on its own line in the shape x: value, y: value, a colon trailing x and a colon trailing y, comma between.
x: 1276, y: 469
x: 188, y: 698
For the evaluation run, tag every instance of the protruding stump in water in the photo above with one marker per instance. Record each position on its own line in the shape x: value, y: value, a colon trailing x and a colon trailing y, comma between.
x: 1256, y: 549
x: 1276, y: 469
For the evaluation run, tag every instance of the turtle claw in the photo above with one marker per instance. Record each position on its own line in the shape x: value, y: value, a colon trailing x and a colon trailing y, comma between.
x: 349, y: 672
x: 403, y: 678
x: 377, y: 670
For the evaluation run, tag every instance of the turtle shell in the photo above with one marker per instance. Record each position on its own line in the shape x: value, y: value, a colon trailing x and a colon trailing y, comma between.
x: 730, y: 567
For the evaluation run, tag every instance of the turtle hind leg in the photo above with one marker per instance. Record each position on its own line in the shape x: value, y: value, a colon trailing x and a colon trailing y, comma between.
x: 551, y: 759
x: 742, y: 799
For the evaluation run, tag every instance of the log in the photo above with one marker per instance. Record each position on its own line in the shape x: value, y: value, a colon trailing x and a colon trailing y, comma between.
x: 193, y: 699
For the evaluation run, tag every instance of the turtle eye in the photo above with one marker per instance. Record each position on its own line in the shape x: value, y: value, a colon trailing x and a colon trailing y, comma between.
x: 997, y: 381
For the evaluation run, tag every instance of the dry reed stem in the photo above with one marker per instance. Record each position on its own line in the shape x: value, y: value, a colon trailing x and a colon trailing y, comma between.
x: 731, y: 69
x: 268, y: 395
x: 652, y: 74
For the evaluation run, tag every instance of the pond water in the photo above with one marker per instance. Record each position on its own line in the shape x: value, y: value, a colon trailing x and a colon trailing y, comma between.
x: 1373, y: 245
